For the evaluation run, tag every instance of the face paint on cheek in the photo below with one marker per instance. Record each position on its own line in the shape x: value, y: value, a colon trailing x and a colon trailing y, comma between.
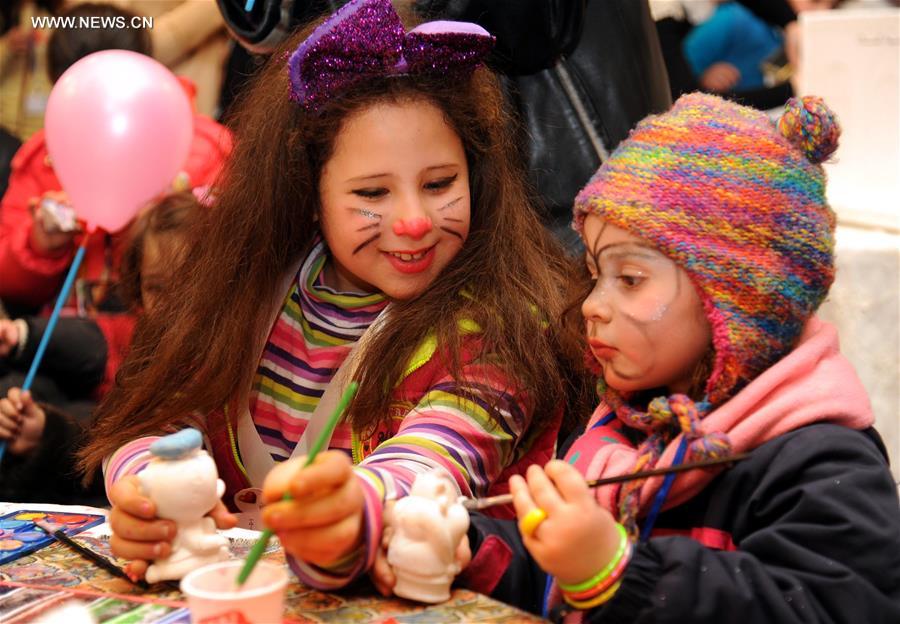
x: 371, y: 226
x: 452, y: 232
x: 651, y: 311
x: 450, y: 204
x: 644, y: 316
x: 365, y: 243
x: 447, y: 219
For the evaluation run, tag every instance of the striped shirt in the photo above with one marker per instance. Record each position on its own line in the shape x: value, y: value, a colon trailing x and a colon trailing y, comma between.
x: 308, y: 342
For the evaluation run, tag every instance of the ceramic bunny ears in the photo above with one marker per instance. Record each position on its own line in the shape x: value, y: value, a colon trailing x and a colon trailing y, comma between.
x: 366, y: 39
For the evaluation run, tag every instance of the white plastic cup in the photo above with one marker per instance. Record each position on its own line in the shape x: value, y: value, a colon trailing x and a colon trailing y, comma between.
x: 213, y: 595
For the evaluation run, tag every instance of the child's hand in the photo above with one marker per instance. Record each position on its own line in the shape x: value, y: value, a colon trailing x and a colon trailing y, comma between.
x: 720, y: 77
x: 324, y: 520
x: 9, y: 336
x: 579, y: 537
x: 382, y: 574
x: 137, y: 533
x: 47, y: 236
x: 21, y: 422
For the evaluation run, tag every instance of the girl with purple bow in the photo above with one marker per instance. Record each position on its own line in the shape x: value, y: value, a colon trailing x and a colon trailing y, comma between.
x: 373, y: 225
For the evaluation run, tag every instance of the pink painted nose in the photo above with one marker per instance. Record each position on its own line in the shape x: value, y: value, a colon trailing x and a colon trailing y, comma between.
x: 414, y: 228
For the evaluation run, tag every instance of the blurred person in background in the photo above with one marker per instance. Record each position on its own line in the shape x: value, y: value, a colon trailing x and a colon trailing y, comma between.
x: 43, y: 436
x: 24, y: 86
x: 674, y: 26
x: 188, y: 37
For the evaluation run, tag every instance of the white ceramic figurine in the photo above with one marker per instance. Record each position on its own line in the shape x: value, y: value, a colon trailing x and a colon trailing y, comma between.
x: 428, y: 526
x: 183, y: 482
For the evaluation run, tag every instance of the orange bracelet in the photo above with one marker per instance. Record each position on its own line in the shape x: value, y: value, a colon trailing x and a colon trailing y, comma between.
x: 596, y: 602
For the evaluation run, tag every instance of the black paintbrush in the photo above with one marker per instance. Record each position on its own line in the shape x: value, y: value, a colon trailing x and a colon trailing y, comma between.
x: 503, y: 499
x: 89, y: 554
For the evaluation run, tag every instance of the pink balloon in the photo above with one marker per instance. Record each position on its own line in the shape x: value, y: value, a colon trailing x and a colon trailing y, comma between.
x: 118, y: 128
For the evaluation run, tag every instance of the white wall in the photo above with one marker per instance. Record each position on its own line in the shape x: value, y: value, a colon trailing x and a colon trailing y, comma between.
x: 852, y: 59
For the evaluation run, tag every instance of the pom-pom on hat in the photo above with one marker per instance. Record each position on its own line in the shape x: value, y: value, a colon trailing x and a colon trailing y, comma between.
x: 739, y: 203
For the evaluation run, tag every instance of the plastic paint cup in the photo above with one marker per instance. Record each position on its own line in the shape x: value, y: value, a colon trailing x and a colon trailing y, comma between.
x: 213, y: 595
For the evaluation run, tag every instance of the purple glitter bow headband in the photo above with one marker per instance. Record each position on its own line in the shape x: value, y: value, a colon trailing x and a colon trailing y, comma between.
x: 365, y: 38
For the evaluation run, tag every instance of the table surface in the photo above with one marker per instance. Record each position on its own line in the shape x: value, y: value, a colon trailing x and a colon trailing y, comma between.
x: 59, y: 574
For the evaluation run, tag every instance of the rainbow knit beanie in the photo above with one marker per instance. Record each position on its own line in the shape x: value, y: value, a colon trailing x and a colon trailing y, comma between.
x: 739, y: 203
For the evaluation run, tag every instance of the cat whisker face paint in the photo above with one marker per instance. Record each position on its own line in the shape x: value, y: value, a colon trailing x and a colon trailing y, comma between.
x: 366, y: 242
x: 644, y: 319
x: 375, y: 225
x: 450, y: 204
x: 445, y: 211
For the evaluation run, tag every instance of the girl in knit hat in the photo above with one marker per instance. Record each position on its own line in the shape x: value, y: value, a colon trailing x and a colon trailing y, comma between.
x: 710, y: 244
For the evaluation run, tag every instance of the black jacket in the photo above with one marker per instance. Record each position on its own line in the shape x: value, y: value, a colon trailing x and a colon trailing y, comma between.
x: 75, y: 358
x: 815, y: 521
x: 580, y: 75
x: 48, y: 474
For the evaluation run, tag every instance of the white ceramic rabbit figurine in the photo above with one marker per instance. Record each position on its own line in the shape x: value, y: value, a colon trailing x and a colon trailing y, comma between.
x: 183, y: 483
x: 428, y: 526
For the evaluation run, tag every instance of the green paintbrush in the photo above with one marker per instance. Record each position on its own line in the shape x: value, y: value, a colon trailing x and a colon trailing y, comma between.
x: 260, y: 546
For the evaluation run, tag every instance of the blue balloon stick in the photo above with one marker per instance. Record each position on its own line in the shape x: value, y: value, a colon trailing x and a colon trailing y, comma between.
x: 51, y: 324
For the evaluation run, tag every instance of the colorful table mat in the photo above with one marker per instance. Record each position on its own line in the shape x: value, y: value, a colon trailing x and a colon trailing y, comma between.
x: 56, y: 576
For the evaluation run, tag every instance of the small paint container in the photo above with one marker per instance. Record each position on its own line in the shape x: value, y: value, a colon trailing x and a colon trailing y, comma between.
x: 213, y: 595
